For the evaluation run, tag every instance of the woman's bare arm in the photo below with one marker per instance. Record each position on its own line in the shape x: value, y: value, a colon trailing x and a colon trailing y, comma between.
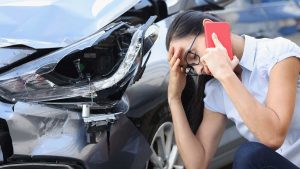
x: 196, y: 150
x: 270, y: 121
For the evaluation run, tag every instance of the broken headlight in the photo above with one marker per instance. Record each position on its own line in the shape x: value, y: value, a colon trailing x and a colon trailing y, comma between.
x: 82, y: 71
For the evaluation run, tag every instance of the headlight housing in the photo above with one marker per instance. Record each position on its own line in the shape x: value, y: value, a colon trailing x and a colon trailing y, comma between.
x: 44, y: 79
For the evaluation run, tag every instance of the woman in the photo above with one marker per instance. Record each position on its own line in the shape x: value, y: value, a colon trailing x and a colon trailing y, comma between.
x: 259, y: 90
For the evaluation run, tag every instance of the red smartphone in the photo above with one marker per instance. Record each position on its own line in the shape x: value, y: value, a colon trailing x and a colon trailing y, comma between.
x: 222, y: 29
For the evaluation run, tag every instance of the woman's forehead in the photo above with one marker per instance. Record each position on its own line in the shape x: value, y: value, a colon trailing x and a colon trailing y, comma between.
x: 182, y: 42
x: 186, y: 42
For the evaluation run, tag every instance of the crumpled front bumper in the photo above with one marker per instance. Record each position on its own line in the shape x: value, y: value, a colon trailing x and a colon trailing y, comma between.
x: 42, y: 133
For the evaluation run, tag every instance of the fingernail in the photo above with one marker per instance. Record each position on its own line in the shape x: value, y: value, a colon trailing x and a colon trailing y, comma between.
x: 214, y: 35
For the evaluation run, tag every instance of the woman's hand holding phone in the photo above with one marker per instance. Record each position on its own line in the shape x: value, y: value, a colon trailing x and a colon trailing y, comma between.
x: 177, y: 79
x: 217, y: 60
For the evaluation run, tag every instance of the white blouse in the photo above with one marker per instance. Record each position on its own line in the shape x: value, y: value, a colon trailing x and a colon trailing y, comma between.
x: 259, y: 56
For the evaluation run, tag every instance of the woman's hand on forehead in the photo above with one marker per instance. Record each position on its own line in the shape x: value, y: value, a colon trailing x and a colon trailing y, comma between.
x: 177, y: 52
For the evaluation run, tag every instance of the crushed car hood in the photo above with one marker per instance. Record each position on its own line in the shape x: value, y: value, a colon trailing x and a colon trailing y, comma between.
x: 55, y: 23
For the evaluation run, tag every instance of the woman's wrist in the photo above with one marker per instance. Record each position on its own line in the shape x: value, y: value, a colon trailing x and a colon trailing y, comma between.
x: 174, y: 99
x: 175, y: 105
x: 228, y: 75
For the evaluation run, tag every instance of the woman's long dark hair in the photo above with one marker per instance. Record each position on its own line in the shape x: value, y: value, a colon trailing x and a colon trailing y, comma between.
x: 186, y: 24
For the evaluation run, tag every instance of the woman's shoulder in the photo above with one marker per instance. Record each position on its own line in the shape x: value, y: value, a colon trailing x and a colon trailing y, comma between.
x: 279, y: 46
x: 272, y: 51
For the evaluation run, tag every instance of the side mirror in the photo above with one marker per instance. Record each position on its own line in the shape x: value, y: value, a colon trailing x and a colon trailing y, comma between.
x: 221, y: 3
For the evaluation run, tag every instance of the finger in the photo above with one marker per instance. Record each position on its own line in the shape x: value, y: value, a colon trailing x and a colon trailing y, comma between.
x: 170, y: 53
x: 182, y: 70
x: 216, y: 40
x: 176, y: 65
x: 172, y: 61
x: 203, y: 59
x: 234, y: 62
x: 208, y: 51
x: 178, y: 52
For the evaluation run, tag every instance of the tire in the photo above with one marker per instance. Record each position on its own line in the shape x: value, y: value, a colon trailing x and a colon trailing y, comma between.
x: 165, y: 154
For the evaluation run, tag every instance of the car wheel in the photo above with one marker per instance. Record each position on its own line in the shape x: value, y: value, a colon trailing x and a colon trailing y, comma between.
x: 165, y: 154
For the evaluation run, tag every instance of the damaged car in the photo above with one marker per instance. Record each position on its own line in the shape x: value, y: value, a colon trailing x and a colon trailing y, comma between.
x: 64, y: 71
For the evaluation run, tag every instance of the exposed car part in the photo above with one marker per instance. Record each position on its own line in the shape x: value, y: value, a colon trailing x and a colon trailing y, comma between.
x: 96, y: 124
x: 30, y: 80
x: 51, y: 134
x: 71, y: 72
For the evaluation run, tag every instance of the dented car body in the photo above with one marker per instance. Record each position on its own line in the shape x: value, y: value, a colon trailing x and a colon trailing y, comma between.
x: 61, y: 99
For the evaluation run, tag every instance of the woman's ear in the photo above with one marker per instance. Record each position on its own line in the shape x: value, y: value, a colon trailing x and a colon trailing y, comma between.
x: 206, y: 20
